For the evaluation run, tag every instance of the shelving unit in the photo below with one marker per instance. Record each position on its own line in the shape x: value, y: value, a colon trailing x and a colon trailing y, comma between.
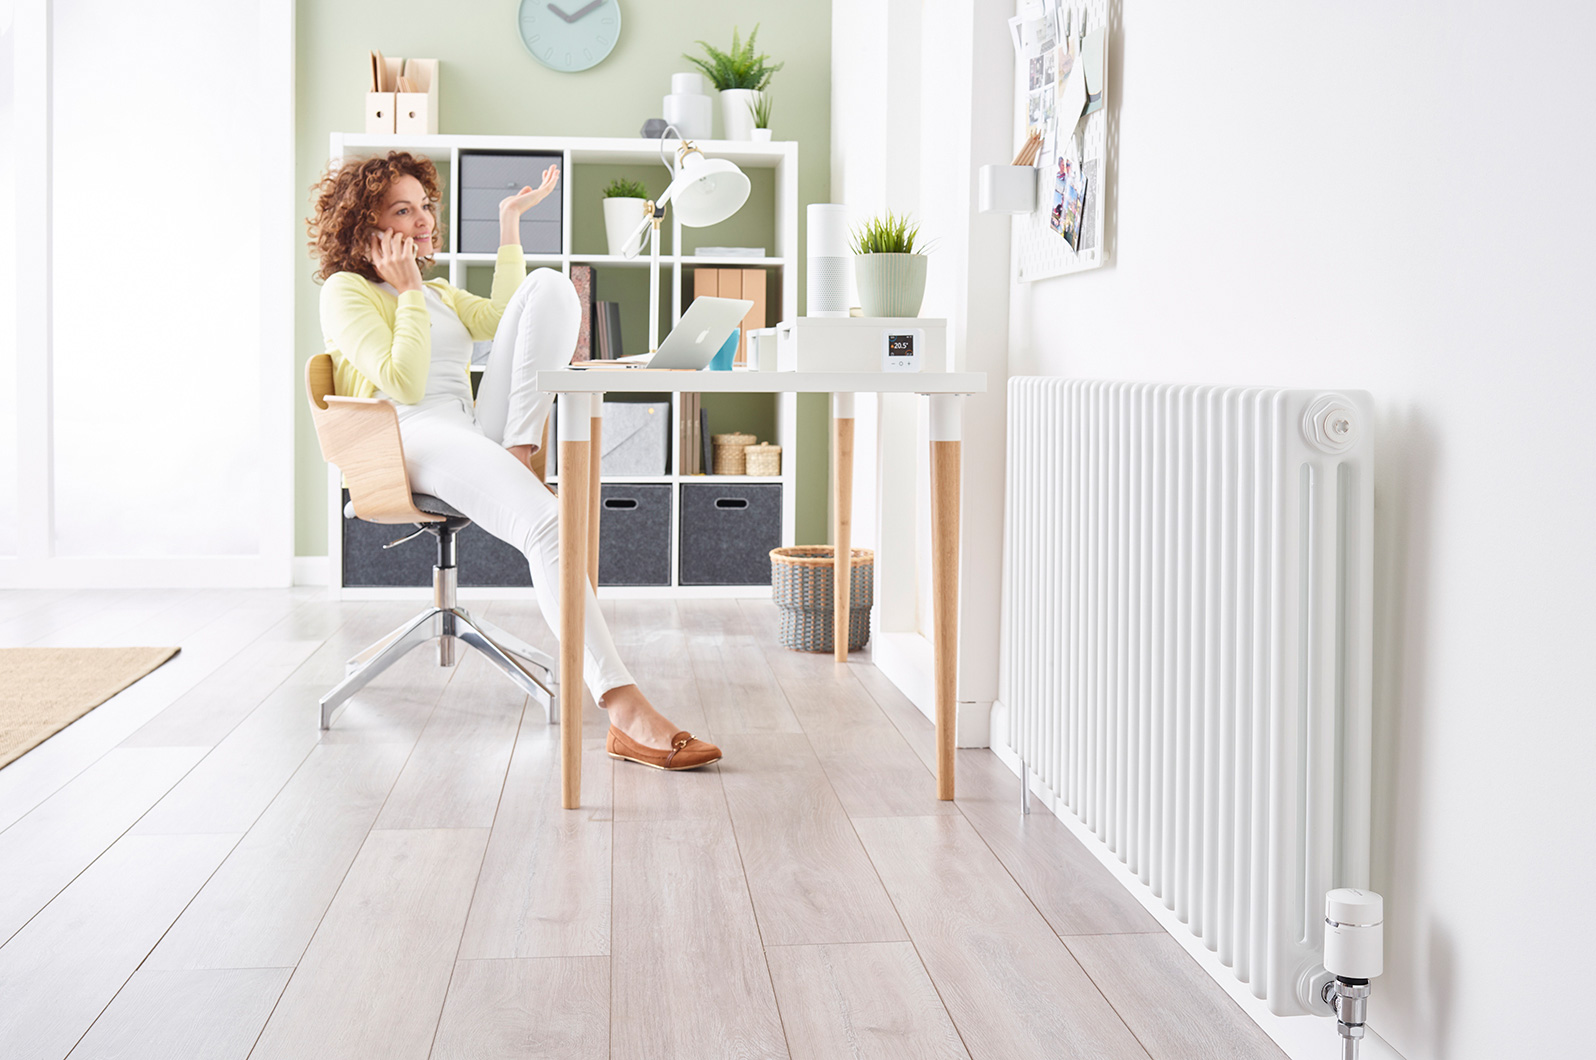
x: 581, y: 157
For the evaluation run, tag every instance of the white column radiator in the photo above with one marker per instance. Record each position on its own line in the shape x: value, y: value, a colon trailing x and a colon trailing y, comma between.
x: 1186, y: 660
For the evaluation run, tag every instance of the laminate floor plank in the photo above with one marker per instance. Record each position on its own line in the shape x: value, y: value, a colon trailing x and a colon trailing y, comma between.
x: 263, y: 905
x: 869, y: 1001
x: 553, y: 1008
x: 210, y: 635
x: 44, y: 851
x: 215, y: 706
x: 124, y: 616
x: 58, y: 973
x: 373, y: 982
x: 872, y: 768
x: 232, y: 786
x: 58, y: 618
x: 1171, y: 1004
x: 735, y: 683
x: 689, y: 978
x: 18, y: 602
x: 202, y: 1015
x: 456, y: 772
x: 1069, y: 886
x: 810, y: 879
x: 919, y: 731
x: 1012, y: 988
x: 545, y: 884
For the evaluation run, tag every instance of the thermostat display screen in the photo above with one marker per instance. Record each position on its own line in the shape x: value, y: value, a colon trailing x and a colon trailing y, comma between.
x: 901, y: 350
x: 900, y: 345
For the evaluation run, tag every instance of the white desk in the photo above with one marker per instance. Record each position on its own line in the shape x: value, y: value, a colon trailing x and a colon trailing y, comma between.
x: 579, y: 391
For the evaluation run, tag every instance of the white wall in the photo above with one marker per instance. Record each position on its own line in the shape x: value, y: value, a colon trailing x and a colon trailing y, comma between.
x: 155, y: 230
x: 8, y: 290
x: 1398, y: 197
x: 909, y: 112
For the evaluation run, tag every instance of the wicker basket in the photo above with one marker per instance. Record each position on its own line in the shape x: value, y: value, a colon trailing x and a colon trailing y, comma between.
x: 801, y: 584
x: 729, y: 448
x: 763, y: 459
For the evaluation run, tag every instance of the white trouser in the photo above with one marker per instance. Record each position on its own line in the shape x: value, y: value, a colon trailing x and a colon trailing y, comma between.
x: 460, y: 458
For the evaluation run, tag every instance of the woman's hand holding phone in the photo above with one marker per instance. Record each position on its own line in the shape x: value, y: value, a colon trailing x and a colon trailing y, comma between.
x: 394, y: 258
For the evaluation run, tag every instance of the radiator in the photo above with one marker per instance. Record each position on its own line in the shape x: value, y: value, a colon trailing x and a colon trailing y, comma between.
x: 1186, y: 660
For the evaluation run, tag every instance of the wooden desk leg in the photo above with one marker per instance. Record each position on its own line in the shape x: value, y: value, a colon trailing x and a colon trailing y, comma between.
x: 946, y: 412
x: 595, y: 493
x: 575, y: 455
x: 842, y: 519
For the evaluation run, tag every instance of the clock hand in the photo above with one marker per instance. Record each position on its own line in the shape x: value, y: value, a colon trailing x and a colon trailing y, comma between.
x: 562, y: 14
x: 593, y: 6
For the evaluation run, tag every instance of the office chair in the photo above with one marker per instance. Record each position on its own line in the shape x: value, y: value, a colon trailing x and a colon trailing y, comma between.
x: 361, y: 436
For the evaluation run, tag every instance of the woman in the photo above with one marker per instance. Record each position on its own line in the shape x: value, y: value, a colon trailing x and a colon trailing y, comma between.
x: 392, y: 335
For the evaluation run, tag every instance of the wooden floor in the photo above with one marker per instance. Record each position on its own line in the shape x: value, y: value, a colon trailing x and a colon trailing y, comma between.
x: 195, y: 871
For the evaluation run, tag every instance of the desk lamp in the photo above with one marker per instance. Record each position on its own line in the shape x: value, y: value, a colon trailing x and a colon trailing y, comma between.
x: 706, y: 192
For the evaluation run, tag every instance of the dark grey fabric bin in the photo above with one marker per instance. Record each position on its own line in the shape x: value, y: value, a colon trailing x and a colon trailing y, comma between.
x: 727, y: 532
x: 634, y: 534
x: 483, y: 560
x: 485, y: 178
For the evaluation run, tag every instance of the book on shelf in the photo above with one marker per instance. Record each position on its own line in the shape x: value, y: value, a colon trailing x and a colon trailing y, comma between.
x: 706, y: 444
x: 735, y: 283
x: 607, y: 331
x: 583, y: 279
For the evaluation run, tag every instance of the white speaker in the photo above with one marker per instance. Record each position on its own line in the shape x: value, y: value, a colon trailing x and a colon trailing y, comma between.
x: 830, y: 261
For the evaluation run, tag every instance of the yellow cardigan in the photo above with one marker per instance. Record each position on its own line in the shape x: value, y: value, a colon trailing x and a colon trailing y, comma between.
x: 379, y: 342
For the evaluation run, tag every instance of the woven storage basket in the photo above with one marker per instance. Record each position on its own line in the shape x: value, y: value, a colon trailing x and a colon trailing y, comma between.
x: 801, y: 584
x: 729, y: 448
x: 763, y: 459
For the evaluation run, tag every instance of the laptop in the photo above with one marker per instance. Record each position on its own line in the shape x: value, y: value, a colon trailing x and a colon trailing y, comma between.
x: 698, y: 336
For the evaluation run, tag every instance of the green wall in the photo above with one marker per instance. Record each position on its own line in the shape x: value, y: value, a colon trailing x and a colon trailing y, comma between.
x: 488, y: 84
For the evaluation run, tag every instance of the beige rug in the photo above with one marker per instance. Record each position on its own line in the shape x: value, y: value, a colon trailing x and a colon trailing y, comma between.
x: 43, y: 690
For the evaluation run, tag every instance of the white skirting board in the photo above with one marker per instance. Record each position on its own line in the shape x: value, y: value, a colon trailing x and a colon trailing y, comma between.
x: 1299, y: 1037
x: 905, y: 659
x: 311, y: 570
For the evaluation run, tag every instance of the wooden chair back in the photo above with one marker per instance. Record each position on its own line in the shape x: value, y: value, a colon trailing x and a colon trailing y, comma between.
x: 361, y: 436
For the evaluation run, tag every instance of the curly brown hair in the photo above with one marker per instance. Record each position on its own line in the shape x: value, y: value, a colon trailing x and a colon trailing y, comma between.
x: 348, y: 203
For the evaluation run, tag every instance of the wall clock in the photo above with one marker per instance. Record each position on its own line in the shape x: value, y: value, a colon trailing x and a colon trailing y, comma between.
x: 570, y: 35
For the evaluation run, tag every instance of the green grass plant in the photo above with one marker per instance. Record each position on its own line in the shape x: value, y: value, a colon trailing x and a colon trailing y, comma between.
x: 888, y: 234
x: 621, y: 188
x: 739, y: 68
x: 761, y: 106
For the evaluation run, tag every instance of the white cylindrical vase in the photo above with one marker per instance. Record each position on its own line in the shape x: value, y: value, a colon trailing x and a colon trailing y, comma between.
x: 760, y: 136
x: 622, y: 215
x: 830, y: 261
x: 689, y: 109
x: 737, y: 113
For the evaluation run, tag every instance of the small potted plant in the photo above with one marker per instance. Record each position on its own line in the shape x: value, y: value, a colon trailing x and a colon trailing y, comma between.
x: 624, y: 201
x: 760, y: 105
x: 737, y: 74
x: 890, y: 272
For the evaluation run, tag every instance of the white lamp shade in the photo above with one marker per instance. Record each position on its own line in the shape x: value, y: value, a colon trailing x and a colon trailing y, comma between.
x: 707, y: 191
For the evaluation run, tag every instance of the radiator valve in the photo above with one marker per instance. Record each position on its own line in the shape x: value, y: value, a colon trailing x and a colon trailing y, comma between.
x: 1353, y: 952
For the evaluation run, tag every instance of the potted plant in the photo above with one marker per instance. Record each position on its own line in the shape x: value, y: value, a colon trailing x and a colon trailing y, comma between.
x: 760, y: 106
x: 890, y: 272
x: 737, y: 74
x: 624, y: 201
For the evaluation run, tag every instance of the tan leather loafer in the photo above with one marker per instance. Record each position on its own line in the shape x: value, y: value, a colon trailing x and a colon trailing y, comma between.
x: 685, y: 752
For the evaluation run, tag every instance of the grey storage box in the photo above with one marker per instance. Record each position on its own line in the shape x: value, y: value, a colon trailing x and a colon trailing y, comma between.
x: 484, y: 560
x: 634, y: 534
x: 485, y: 178
x: 727, y: 532
x: 636, y: 438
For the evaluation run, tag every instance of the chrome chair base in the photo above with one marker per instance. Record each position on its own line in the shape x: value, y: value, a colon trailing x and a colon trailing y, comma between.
x: 533, y: 671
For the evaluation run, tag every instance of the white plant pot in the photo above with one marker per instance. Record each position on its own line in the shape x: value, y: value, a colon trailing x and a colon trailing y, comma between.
x: 761, y: 136
x: 621, y: 218
x: 890, y: 285
x: 736, y: 113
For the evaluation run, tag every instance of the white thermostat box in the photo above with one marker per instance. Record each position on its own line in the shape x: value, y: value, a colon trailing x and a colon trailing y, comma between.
x: 860, y: 344
x: 900, y: 349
